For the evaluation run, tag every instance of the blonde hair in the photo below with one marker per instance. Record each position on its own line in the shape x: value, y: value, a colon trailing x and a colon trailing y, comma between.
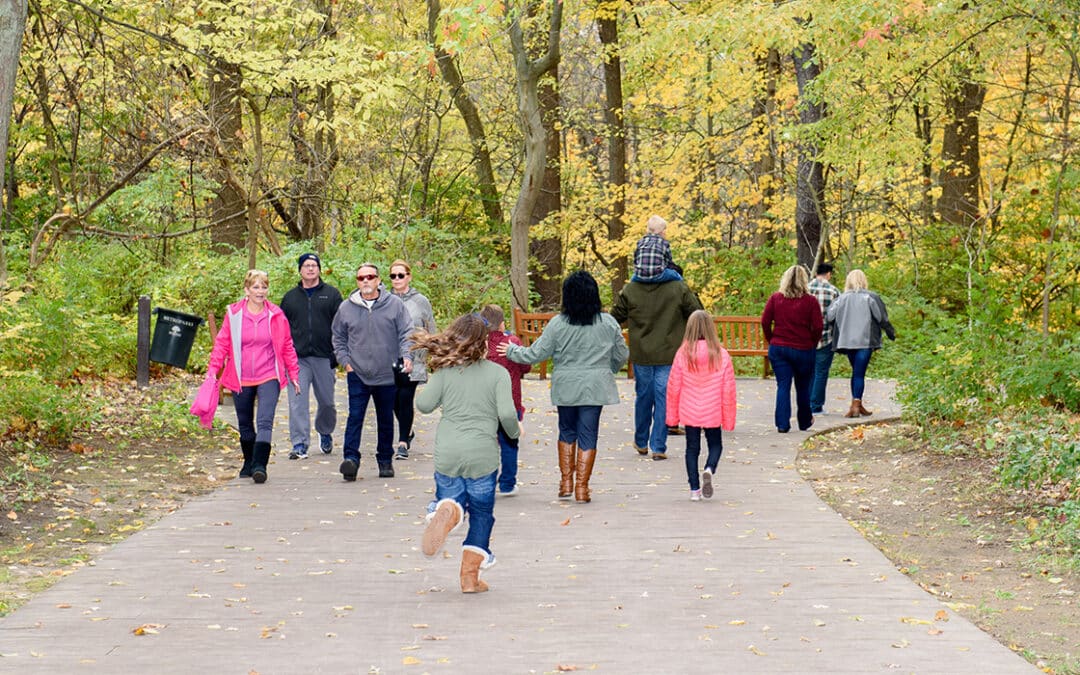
x: 656, y: 224
x: 253, y: 276
x: 795, y: 283
x: 401, y: 263
x: 856, y: 281
x: 700, y: 326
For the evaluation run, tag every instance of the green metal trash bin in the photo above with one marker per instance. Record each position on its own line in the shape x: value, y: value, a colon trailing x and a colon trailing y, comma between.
x: 174, y: 334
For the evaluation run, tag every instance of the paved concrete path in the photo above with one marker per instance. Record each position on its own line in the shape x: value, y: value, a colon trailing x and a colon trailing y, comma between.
x: 309, y: 574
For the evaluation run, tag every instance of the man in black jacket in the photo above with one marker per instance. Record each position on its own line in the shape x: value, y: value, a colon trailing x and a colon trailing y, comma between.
x: 310, y: 307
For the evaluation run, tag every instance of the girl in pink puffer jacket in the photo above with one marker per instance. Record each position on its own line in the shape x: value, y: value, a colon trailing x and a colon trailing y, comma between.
x: 701, y: 396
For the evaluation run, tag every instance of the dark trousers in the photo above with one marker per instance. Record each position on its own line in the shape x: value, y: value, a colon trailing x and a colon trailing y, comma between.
x: 403, y: 409
x: 359, y: 395
x: 693, y: 452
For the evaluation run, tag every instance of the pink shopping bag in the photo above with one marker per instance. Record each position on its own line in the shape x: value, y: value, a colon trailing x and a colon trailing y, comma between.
x: 206, y: 401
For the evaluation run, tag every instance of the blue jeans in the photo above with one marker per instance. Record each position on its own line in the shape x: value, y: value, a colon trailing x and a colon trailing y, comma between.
x: 822, y: 363
x: 650, y: 407
x: 860, y: 361
x: 792, y: 364
x: 477, y: 498
x: 713, y: 436
x: 508, y: 460
x: 580, y: 424
x: 257, y: 426
x: 359, y: 395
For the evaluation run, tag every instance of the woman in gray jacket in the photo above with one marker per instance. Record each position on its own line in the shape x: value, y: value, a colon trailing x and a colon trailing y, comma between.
x: 423, y: 318
x: 859, y: 316
x: 587, y: 348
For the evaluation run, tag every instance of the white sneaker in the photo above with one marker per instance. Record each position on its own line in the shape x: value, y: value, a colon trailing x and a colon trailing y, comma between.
x: 695, y: 495
x: 513, y: 491
x: 706, y: 484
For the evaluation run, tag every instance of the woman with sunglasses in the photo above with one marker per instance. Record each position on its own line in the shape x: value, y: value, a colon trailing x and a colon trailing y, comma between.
x: 422, y: 317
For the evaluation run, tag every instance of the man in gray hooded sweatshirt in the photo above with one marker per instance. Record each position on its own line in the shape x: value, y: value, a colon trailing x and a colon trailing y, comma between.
x: 372, y: 335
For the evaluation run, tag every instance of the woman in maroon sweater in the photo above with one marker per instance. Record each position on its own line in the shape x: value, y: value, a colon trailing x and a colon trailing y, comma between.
x: 792, y: 324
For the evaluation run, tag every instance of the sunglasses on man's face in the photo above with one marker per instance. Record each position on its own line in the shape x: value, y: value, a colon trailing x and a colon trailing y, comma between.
x: 398, y: 276
x: 366, y: 277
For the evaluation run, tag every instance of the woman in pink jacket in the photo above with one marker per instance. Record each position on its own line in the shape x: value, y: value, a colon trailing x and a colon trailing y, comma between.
x: 255, y: 356
x: 701, y: 396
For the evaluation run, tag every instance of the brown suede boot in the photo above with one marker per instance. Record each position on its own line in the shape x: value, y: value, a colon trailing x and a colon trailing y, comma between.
x: 447, y: 516
x: 585, y: 459
x: 853, y: 411
x: 470, y: 572
x: 567, y: 464
x: 863, y: 411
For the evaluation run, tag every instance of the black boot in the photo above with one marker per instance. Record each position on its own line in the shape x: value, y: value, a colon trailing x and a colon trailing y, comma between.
x: 260, y: 458
x: 246, y: 447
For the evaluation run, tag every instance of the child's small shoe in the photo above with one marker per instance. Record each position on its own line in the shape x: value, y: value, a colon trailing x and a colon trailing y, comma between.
x: 695, y: 495
x: 706, y: 484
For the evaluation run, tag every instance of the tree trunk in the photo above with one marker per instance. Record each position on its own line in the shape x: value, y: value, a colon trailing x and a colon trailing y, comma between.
x: 616, y: 131
x: 227, y: 209
x: 318, y: 156
x: 810, y: 181
x: 466, y: 107
x: 959, y: 177
x: 12, y: 26
x: 528, y: 72
x: 768, y: 69
x: 546, y: 254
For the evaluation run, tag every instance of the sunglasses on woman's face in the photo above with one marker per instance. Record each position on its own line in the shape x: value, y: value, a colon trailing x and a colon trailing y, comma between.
x: 398, y: 276
x: 366, y: 277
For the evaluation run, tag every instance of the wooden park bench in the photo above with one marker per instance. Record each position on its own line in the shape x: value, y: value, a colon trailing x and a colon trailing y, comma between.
x: 740, y: 335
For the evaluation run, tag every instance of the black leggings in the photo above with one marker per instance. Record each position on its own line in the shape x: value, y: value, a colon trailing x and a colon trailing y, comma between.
x: 403, y: 410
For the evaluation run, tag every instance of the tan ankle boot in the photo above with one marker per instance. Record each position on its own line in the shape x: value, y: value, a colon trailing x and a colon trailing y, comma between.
x: 585, y: 459
x: 470, y: 572
x: 853, y: 411
x: 567, y: 466
x: 863, y: 411
x: 448, y: 515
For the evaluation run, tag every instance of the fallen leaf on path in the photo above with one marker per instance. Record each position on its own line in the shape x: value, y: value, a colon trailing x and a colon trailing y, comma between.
x: 565, y: 522
x: 410, y: 661
x: 148, y: 629
x: 941, y: 615
x: 565, y: 668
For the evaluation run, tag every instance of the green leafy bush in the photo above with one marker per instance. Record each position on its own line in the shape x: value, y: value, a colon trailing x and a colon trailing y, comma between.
x: 40, y: 411
x: 959, y: 375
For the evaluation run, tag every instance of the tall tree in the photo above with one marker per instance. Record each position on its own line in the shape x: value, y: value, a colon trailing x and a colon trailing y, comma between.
x: 810, y: 180
x: 12, y: 25
x: 470, y: 114
x: 607, y: 25
x: 529, y: 71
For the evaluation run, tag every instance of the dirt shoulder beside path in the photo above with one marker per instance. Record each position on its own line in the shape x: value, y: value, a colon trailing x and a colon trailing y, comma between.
x: 944, y: 522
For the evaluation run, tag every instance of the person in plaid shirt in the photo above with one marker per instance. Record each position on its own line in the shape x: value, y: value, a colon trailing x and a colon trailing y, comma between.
x: 652, y: 257
x: 825, y: 293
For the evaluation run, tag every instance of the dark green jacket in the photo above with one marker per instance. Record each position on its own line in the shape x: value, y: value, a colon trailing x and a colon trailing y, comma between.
x: 656, y: 316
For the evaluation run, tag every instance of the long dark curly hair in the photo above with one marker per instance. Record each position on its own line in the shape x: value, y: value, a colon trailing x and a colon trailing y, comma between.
x: 464, y: 342
x: 580, y: 299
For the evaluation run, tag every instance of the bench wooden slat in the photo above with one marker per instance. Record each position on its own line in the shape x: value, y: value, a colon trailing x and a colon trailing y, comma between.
x: 740, y: 335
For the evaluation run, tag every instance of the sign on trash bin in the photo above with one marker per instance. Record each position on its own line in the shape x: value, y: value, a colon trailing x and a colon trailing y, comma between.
x: 174, y: 334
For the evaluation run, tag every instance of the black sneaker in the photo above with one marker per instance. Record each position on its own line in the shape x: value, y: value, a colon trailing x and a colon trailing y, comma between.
x: 386, y: 470
x: 348, y: 469
x: 326, y: 443
x: 402, y: 451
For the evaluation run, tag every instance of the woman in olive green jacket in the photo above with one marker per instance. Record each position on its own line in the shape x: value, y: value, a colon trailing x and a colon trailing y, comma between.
x: 587, y: 348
